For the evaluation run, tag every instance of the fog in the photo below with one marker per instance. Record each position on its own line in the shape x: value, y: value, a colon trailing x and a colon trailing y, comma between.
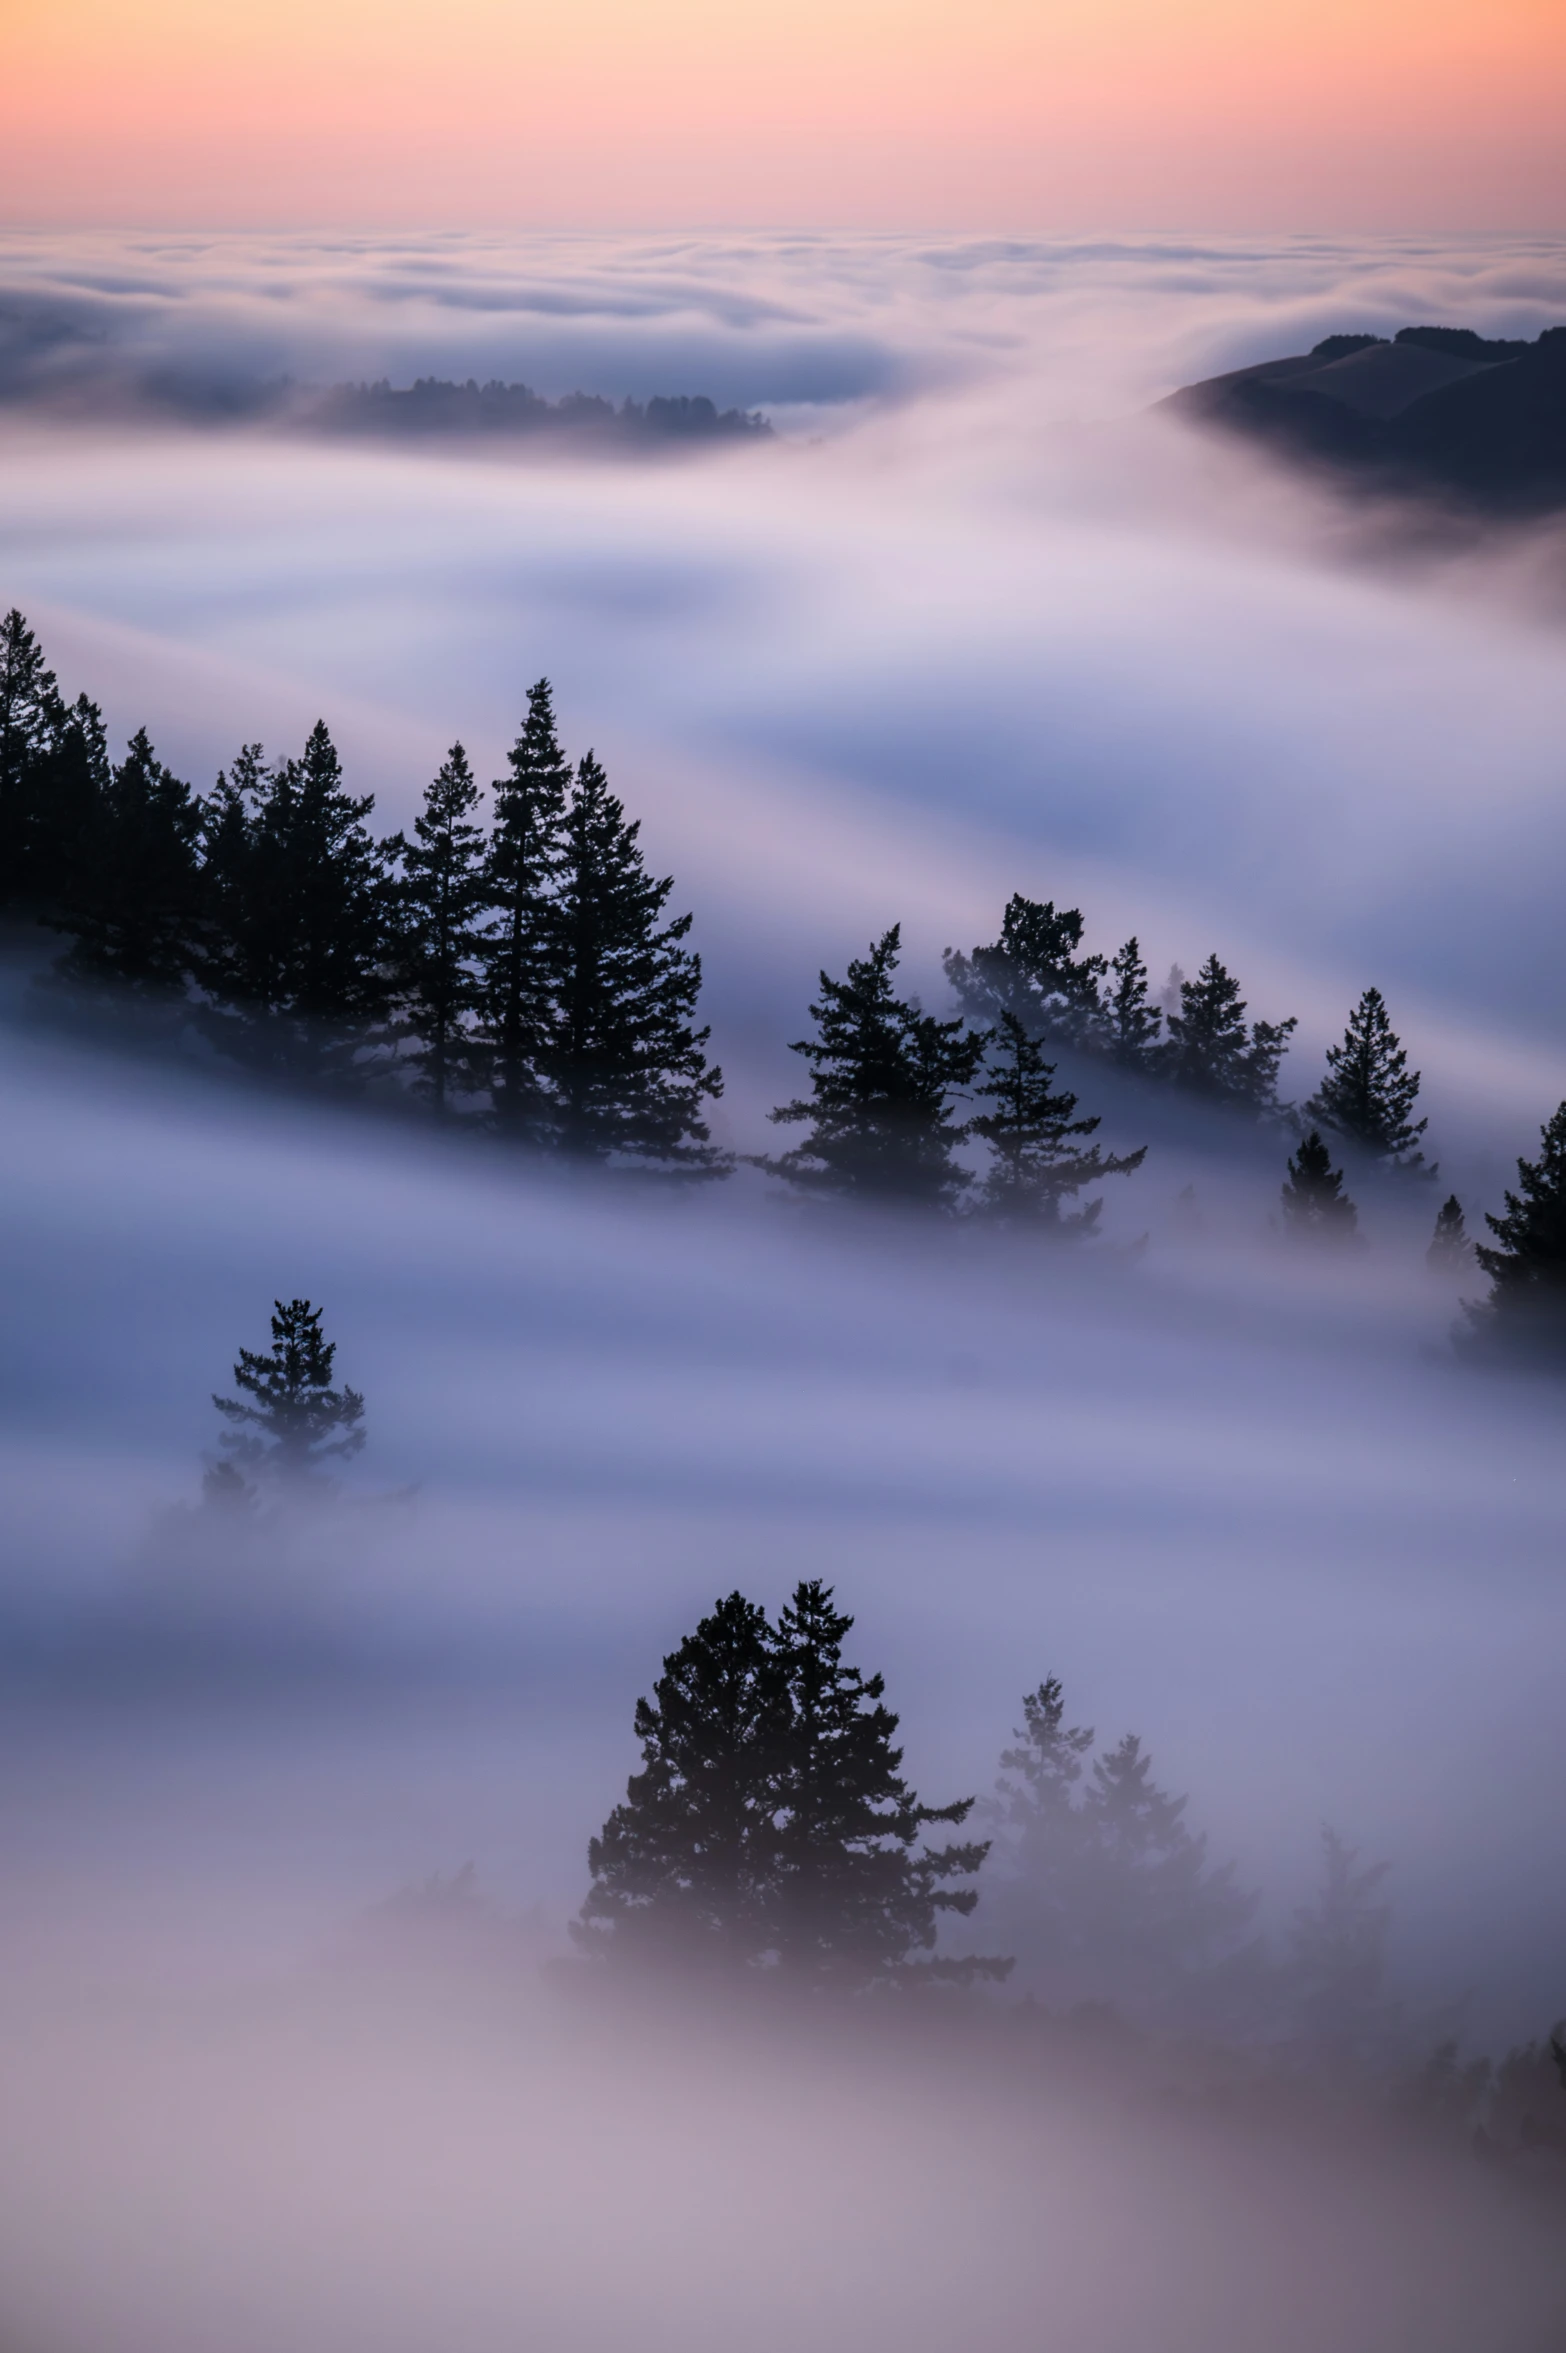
x: 973, y: 624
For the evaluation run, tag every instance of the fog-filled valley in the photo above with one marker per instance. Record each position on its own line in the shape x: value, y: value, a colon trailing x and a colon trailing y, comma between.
x: 971, y: 626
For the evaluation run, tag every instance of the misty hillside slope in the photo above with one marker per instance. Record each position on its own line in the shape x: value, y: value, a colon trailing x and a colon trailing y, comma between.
x: 1437, y: 410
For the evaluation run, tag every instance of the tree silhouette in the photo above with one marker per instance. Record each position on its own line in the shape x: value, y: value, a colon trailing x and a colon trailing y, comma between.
x: 441, y: 897
x: 134, y: 900
x: 1211, y: 1051
x: 1315, y: 1206
x: 1337, y: 1971
x: 1450, y: 1252
x: 288, y: 1421
x: 883, y: 1077
x: 31, y: 718
x: 1035, y: 1166
x: 1034, y: 972
x: 1369, y: 1091
x: 1525, y: 1314
x: 1128, y: 1024
x: 520, y: 949
x: 625, y: 1062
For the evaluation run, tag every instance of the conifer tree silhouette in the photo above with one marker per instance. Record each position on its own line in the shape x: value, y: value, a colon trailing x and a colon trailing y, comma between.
x: 32, y: 716
x: 1369, y: 1091
x: 625, y: 1061
x: 1211, y: 1051
x: 1525, y: 1314
x: 1035, y: 1166
x: 442, y: 894
x: 1335, y: 1981
x: 1450, y: 1251
x: 135, y: 899
x: 1034, y: 972
x: 521, y: 950
x: 288, y: 1421
x: 1128, y: 1024
x: 883, y: 1078
x: 1315, y: 1206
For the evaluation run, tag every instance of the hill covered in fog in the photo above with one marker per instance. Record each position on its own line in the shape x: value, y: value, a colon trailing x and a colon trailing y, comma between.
x: 1435, y: 410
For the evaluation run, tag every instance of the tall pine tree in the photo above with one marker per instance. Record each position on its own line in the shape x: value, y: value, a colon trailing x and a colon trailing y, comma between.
x: 1212, y: 1052
x: 1033, y: 971
x: 1035, y: 1166
x: 1525, y: 1314
x: 1315, y: 1206
x: 1369, y: 1091
x: 1128, y: 1025
x: 288, y: 1422
x: 442, y: 895
x: 882, y: 1085
x: 1450, y: 1252
x: 32, y: 717
x: 626, y: 1065
x: 134, y: 901
x: 521, y: 948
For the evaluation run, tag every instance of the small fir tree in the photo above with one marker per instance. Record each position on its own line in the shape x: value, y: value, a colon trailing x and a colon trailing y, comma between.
x: 852, y: 1903
x: 1369, y: 1091
x: 134, y: 903
x: 32, y: 716
x: 683, y: 1870
x: 626, y: 1065
x: 1525, y: 1314
x: 1450, y: 1252
x: 288, y: 1421
x: 1129, y: 1025
x: 442, y: 895
x: 1034, y: 1165
x: 1034, y: 972
x: 1335, y: 1982
x: 1211, y: 1051
x: 1315, y: 1206
x: 882, y: 1084
x: 520, y: 947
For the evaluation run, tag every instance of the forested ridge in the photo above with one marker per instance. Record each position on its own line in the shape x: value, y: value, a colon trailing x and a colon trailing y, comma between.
x: 512, y: 964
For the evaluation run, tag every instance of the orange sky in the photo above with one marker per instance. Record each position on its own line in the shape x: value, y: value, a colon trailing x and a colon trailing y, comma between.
x: 1231, y: 114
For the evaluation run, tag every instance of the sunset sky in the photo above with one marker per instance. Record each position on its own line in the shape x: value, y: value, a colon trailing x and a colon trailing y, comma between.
x: 1227, y: 114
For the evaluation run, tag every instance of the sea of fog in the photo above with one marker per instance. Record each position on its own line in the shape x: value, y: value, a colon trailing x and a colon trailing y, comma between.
x: 972, y: 622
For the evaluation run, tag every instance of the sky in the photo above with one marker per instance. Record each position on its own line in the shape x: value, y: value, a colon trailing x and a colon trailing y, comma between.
x: 1004, y: 114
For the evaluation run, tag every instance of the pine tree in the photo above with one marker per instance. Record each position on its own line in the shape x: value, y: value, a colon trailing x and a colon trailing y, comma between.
x: 624, y: 1060
x: 520, y: 948
x: 31, y: 718
x: 1035, y: 1166
x: 134, y: 903
x: 853, y: 1904
x: 1450, y: 1252
x: 1210, y: 1050
x: 1129, y: 1025
x: 683, y: 1871
x: 1033, y: 971
x: 1369, y: 1091
x: 1315, y: 1206
x: 299, y: 934
x: 882, y: 1084
x: 295, y: 1421
x: 442, y: 894
x: 1336, y: 1977
x: 1525, y: 1313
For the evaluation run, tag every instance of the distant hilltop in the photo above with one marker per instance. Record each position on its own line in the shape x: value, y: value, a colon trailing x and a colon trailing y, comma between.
x: 1430, y: 411
x: 433, y: 407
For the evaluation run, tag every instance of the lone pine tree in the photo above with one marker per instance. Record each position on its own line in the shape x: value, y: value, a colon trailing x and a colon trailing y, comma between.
x: 1212, y: 1052
x: 520, y: 949
x: 1450, y: 1252
x: 883, y: 1078
x: 1128, y: 1024
x: 1315, y: 1206
x: 441, y: 897
x: 1525, y: 1314
x: 1033, y: 971
x: 135, y: 900
x: 625, y: 1063
x: 1034, y: 1165
x: 770, y: 1829
x: 288, y: 1422
x: 1369, y: 1091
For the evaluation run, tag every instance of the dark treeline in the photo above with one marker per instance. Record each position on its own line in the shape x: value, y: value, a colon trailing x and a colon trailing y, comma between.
x: 431, y: 406
x: 511, y: 964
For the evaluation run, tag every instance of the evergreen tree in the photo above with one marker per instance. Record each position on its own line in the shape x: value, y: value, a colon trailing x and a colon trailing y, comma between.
x: 1526, y: 1310
x: 442, y: 895
x: 1315, y: 1206
x: 1033, y: 971
x: 1128, y: 1024
x: 1369, y: 1091
x: 624, y: 1060
x: 1035, y: 1166
x: 1336, y: 1977
x: 134, y: 902
x: 32, y: 717
x: 683, y: 1871
x: 1450, y: 1252
x: 520, y: 948
x: 883, y: 1078
x: 299, y: 934
x: 294, y: 1421
x: 852, y: 1903
x: 1210, y: 1050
